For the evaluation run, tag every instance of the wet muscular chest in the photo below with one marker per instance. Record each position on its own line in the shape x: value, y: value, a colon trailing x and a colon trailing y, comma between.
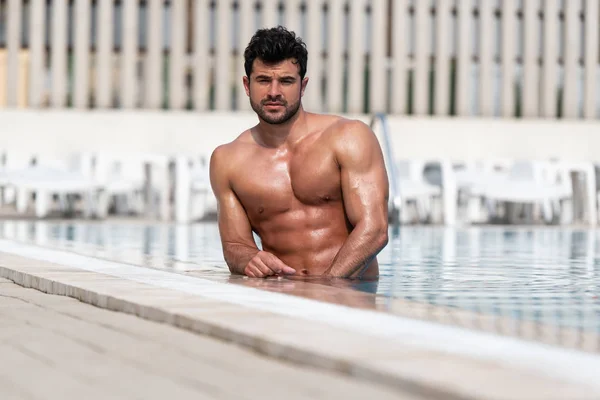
x: 279, y: 184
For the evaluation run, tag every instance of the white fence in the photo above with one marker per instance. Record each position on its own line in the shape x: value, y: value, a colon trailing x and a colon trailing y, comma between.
x: 530, y: 58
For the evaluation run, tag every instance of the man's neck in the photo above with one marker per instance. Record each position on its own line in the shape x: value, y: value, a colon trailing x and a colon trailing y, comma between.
x: 271, y: 135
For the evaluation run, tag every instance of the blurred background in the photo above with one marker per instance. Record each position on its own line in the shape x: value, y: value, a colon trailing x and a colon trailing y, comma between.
x: 487, y: 110
x: 510, y: 58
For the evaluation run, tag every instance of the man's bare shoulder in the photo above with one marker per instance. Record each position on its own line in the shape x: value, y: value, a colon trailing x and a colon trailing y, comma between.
x: 228, y: 156
x: 333, y: 125
x: 323, y: 120
x: 342, y: 128
x: 351, y: 138
x: 233, y: 148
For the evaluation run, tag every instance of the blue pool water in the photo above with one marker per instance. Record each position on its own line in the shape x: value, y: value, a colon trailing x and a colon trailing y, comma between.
x: 542, y: 274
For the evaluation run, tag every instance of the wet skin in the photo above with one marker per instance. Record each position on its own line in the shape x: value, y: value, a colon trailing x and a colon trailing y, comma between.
x: 313, y: 187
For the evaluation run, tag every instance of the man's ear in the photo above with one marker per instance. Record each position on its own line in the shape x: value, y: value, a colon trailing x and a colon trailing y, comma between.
x: 246, y: 82
x: 303, y: 85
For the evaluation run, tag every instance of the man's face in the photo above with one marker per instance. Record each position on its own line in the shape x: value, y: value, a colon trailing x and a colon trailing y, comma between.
x: 275, y: 90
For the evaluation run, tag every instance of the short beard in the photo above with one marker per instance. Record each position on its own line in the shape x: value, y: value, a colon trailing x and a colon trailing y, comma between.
x: 289, y: 113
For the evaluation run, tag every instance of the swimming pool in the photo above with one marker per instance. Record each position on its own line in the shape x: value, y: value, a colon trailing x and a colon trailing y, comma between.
x: 542, y: 283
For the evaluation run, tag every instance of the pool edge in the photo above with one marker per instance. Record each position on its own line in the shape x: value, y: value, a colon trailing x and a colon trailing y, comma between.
x: 202, y: 327
x: 56, y: 281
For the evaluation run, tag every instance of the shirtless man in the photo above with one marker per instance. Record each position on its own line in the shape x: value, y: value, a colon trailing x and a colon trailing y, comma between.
x: 314, y: 188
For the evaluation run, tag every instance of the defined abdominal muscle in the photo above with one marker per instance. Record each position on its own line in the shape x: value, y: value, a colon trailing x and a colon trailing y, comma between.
x: 303, y: 248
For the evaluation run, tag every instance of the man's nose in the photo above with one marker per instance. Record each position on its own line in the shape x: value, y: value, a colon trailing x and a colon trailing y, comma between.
x: 274, y: 89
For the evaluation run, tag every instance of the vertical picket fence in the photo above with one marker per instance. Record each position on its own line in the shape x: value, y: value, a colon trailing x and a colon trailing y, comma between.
x: 504, y: 58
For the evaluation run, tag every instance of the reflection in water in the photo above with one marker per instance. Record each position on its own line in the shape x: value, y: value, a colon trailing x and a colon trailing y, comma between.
x: 330, y: 291
x: 544, y: 275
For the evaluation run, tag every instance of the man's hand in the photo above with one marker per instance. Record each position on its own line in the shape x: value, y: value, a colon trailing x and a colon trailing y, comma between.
x: 265, y: 264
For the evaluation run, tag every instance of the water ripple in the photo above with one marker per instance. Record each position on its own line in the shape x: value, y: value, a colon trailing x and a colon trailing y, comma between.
x: 542, y: 274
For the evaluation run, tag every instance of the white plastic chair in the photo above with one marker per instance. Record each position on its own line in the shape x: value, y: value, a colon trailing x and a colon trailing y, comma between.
x: 586, y: 181
x: 10, y: 161
x: 130, y: 178
x: 415, y: 188
x: 471, y: 175
x: 449, y: 190
x: 47, y: 177
x: 534, y: 183
x: 194, y: 198
x: 124, y: 180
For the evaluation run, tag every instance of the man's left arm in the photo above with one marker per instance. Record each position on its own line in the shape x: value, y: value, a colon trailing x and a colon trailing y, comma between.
x: 365, y: 190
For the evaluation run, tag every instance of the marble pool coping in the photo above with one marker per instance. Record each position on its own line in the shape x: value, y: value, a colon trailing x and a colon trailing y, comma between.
x: 422, y: 357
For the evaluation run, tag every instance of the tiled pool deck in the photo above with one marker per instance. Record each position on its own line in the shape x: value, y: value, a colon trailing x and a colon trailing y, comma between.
x: 55, y: 347
x: 405, y: 353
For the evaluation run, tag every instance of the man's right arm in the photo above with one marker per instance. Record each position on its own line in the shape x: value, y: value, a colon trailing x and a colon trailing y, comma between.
x: 239, y: 248
x: 235, y: 230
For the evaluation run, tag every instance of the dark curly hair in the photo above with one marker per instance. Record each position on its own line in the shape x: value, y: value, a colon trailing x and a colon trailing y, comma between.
x: 274, y: 45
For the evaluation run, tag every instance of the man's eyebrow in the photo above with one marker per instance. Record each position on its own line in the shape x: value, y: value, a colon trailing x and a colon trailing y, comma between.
x: 284, y: 77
